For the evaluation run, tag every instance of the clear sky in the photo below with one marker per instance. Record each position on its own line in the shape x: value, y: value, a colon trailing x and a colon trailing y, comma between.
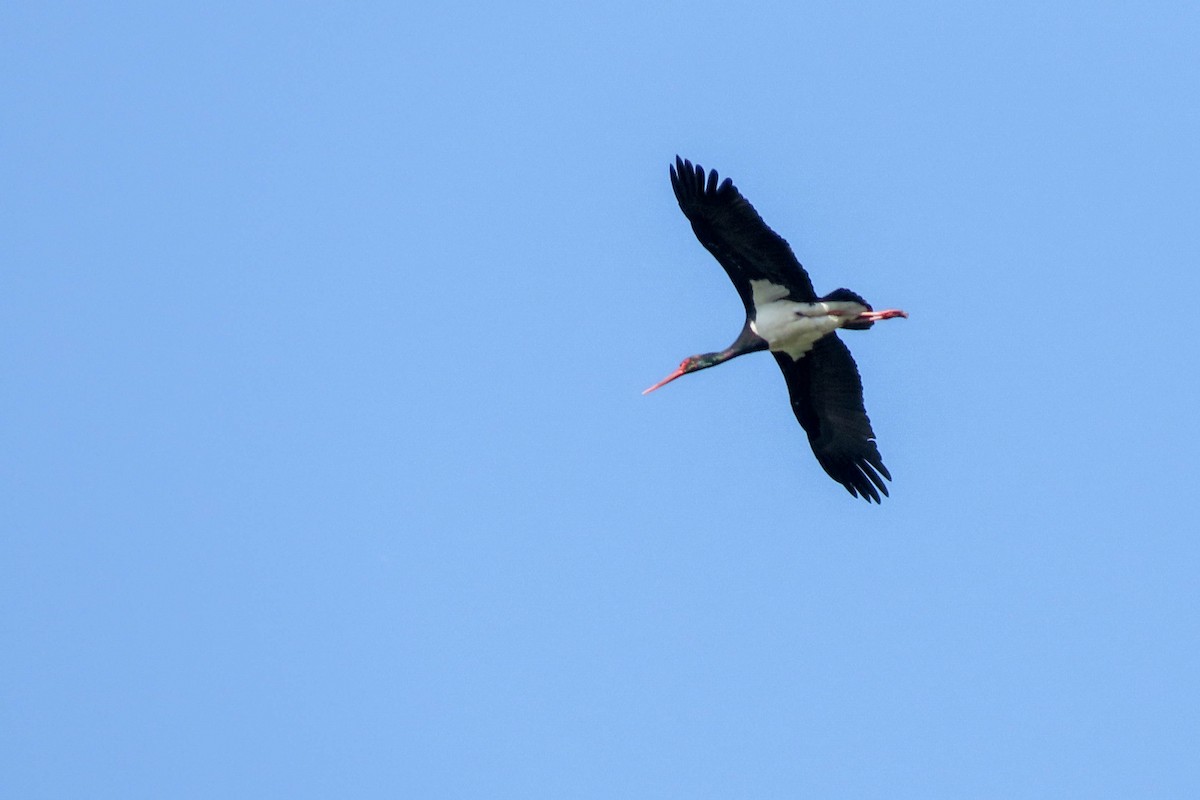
x: 325, y: 469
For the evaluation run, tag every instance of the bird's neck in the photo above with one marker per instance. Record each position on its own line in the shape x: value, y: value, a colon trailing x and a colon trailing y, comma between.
x: 747, y: 342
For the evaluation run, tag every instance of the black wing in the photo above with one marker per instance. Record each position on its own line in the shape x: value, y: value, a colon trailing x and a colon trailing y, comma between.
x: 732, y: 230
x: 826, y: 394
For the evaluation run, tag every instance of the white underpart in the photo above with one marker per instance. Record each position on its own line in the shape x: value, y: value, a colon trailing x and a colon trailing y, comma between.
x: 791, y: 327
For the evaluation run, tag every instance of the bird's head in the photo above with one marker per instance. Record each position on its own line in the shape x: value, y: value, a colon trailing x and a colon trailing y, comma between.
x: 689, y: 364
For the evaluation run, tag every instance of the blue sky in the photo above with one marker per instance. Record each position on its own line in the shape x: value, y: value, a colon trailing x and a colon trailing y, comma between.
x: 326, y: 470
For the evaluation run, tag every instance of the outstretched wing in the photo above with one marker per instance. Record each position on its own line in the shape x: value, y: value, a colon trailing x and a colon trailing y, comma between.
x: 826, y: 394
x: 732, y: 230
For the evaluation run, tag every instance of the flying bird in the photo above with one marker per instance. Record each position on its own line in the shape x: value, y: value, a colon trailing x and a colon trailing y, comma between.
x: 785, y: 315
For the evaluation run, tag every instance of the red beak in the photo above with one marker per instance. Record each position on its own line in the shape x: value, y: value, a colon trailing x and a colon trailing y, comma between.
x: 677, y: 373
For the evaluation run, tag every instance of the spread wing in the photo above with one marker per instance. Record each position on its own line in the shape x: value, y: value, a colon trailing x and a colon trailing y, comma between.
x: 826, y: 394
x: 732, y: 230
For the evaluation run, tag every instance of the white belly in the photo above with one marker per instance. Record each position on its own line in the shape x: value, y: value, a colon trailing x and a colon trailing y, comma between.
x: 791, y: 327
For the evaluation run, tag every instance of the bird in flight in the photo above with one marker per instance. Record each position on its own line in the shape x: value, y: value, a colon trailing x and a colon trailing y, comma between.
x: 784, y: 315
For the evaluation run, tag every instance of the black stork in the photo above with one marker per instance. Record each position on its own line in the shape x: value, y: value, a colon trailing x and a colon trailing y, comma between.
x: 784, y: 315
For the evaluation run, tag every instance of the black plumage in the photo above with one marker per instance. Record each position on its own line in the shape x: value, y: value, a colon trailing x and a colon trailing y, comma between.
x: 823, y: 381
x: 729, y: 227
